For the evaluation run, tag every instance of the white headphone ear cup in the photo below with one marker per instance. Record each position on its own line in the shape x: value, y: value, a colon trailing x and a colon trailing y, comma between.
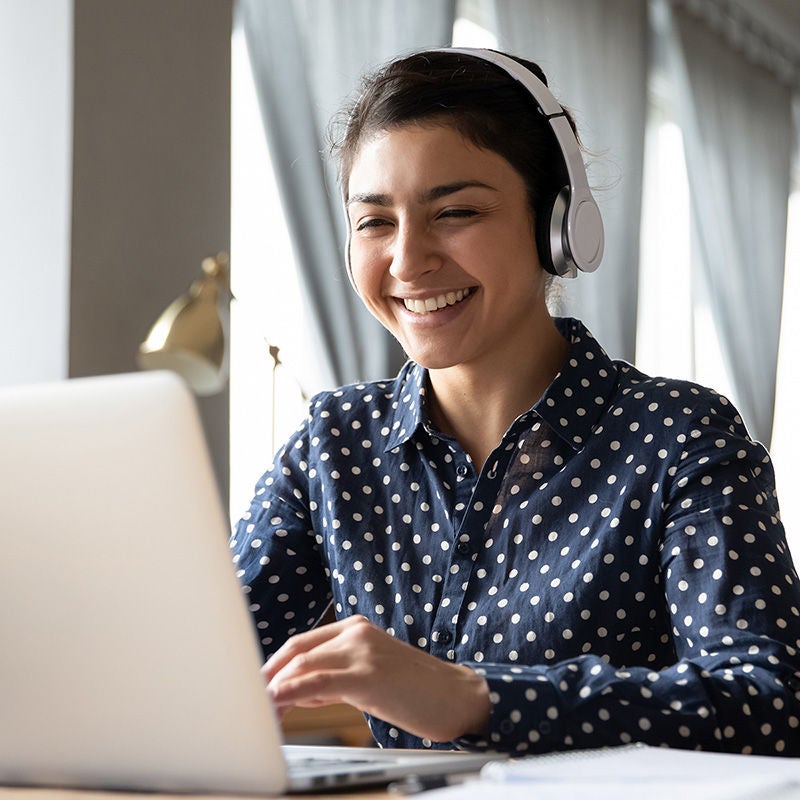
x: 560, y: 256
x: 587, y: 240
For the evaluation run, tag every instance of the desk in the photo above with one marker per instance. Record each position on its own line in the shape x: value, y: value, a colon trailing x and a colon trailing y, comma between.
x: 14, y: 793
x: 336, y: 724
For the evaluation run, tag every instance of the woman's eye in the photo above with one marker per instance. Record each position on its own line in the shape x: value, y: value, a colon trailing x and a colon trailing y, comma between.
x: 374, y: 222
x: 458, y: 213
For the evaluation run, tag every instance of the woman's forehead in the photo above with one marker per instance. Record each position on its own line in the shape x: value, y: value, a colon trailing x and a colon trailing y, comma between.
x: 432, y: 152
x: 443, y: 125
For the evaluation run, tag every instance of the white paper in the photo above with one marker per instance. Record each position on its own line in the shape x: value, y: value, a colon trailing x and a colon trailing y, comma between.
x: 750, y: 789
x: 639, y: 763
x: 631, y: 773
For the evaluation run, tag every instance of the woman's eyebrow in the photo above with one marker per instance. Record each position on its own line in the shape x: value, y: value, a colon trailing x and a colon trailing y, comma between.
x: 371, y: 198
x: 434, y: 193
x: 437, y: 192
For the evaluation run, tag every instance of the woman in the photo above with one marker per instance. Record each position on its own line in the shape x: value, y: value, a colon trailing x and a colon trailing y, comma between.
x: 528, y: 546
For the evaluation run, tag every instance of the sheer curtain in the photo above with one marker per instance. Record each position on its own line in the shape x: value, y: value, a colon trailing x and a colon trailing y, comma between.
x: 595, y: 55
x: 307, y: 56
x: 737, y: 127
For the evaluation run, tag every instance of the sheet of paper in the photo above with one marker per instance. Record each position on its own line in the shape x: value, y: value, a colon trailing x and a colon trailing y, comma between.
x: 639, y: 763
x: 733, y: 789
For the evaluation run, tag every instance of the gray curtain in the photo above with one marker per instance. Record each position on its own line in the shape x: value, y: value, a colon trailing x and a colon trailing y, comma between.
x: 307, y: 57
x: 595, y: 55
x: 736, y: 118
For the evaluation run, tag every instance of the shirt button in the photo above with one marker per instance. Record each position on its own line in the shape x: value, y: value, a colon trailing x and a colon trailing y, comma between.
x: 462, y: 470
x: 445, y: 637
x: 463, y: 548
x: 544, y: 727
x: 506, y: 726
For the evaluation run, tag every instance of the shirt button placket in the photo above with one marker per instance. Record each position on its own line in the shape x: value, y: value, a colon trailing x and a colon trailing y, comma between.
x: 476, y: 515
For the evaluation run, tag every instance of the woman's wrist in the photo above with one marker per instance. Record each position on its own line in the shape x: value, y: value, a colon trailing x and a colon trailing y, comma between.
x: 476, y: 704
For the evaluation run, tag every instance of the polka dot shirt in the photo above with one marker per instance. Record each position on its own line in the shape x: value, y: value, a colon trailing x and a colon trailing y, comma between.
x: 617, y: 570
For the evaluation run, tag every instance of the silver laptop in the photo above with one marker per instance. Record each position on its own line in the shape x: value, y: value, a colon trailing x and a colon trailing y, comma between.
x: 128, y: 659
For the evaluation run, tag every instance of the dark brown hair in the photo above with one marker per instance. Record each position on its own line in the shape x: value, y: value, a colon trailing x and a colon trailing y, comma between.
x: 477, y: 98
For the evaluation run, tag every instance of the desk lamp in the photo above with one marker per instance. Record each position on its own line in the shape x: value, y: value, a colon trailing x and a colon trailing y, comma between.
x: 191, y: 335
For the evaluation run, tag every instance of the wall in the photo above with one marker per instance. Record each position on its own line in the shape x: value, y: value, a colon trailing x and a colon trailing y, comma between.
x: 151, y: 175
x: 35, y: 141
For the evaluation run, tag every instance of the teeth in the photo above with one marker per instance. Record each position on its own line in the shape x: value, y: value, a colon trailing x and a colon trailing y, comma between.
x: 435, y: 303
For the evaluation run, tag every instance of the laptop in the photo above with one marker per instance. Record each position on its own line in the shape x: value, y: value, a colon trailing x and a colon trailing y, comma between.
x: 128, y: 659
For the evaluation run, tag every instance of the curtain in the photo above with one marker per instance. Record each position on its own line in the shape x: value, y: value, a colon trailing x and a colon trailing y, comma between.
x: 736, y: 118
x: 595, y: 56
x: 307, y: 57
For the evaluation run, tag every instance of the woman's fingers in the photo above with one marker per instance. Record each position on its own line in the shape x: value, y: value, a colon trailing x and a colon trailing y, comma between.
x: 311, y: 688
x: 318, y: 669
x: 353, y: 661
x: 304, y: 643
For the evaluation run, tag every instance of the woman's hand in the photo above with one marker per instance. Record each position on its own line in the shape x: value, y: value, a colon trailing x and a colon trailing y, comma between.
x: 353, y: 661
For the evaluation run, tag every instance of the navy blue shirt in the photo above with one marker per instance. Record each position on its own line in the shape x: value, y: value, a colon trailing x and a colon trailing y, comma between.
x: 617, y: 570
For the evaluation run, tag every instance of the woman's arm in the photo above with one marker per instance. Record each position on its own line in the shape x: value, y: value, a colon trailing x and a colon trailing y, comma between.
x: 277, y: 553
x: 733, y: 600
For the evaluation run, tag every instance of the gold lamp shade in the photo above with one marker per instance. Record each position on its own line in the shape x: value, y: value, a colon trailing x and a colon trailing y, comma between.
x: 191, y: 335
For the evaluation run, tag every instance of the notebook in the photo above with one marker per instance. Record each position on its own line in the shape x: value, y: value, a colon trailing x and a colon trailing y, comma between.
x: 128, y: 656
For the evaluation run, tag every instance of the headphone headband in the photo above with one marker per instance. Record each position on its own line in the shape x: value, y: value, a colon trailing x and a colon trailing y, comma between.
x: 575, y: 232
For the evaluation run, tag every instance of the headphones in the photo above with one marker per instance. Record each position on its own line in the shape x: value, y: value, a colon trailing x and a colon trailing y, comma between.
x: 570, y: 237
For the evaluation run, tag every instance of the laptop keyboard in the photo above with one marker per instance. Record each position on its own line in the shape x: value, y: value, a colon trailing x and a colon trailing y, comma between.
x: 305, y: 765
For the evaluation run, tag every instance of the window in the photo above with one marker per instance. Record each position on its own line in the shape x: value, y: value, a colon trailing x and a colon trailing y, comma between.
x: 266, y: 402
x: 786, y: 432
x: 665, y: 327
x: 676, y: 336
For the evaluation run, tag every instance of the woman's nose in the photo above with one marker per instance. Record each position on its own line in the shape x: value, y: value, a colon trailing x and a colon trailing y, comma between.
x: 414, y: 253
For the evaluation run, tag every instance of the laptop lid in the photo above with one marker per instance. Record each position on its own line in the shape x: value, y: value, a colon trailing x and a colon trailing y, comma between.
x: 128, y: 657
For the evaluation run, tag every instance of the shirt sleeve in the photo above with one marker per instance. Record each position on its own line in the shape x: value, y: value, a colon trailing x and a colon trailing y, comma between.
x: 734, y: 606
x: 277, y: 551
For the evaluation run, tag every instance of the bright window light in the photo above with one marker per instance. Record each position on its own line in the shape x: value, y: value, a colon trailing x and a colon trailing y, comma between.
x: 268, y: 309
x: 665, y: 337
x: 786, y: 432
x: 467, y: 33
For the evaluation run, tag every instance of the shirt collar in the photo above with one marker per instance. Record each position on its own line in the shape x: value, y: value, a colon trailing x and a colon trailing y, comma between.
x: 576, y: 399
x: 408, y: 402
x: 571, y: 405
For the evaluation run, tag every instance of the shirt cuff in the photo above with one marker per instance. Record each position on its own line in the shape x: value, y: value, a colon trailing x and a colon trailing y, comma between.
x: 526, y: 714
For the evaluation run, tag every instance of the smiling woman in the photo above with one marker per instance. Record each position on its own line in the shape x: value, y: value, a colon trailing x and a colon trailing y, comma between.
x: 528, y: 545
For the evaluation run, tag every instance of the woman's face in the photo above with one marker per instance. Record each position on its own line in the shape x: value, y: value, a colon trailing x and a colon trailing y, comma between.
x: 442, y: 245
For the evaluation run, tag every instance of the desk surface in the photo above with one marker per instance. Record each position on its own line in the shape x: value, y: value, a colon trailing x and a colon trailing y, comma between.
x: 16, y: 793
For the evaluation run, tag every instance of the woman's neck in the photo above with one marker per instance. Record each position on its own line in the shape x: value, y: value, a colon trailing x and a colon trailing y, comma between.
x: 476, y: 403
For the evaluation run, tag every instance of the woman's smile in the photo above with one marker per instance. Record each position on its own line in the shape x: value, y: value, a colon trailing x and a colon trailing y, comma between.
x: 433, y: 303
